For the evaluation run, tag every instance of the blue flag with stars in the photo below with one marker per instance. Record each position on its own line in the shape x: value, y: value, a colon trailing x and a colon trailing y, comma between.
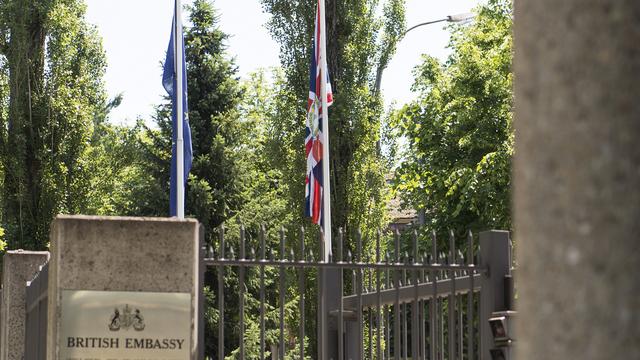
x: 169, y: 82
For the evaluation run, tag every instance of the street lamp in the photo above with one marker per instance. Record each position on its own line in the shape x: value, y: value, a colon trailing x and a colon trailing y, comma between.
x: 451, y: 18
x: 457, y: 18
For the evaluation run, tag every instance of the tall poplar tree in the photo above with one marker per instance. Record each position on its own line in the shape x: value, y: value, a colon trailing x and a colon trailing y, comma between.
x: 359, y: 44
x: 361, y: 38
x: 54, y: 64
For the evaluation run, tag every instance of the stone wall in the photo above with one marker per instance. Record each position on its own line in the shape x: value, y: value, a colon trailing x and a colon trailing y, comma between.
x: 18, y: 268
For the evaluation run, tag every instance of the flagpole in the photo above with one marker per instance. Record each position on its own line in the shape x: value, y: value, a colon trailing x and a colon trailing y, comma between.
x: 326, y: 197
x: 179, y: 111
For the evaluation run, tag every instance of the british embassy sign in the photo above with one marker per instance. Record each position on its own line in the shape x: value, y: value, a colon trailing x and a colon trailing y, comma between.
x: 114, y: 325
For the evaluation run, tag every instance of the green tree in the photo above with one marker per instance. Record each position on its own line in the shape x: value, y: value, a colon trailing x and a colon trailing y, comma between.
x: 456, y: 163
x: 216, y: 186
x: 119, y: 184
x: 55, y: 92
x: 230, y: 178
x: 359, y: 44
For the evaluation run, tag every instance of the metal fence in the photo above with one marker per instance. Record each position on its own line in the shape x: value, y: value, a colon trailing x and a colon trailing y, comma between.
x: 385, y: 305
x: 393, y: 306
x: 36, y: 315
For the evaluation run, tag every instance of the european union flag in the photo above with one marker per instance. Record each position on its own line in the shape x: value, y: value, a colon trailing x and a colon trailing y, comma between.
x: 169, y: 81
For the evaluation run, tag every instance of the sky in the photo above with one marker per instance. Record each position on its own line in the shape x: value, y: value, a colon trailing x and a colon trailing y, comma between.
x: 135, y: 35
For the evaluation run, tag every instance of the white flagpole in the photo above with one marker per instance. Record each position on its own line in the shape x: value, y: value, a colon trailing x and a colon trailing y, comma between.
x: 179, y: 112
x: 326, y: 183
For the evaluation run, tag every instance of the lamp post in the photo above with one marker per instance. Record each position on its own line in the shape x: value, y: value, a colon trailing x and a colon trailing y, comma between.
x: 451, y: 18
x: 457, y: 18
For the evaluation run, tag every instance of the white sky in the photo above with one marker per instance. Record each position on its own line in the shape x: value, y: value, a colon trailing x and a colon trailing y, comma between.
x: 136, y: 32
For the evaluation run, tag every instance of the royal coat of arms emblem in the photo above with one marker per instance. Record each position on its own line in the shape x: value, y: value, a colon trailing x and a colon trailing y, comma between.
x: 126, y: 319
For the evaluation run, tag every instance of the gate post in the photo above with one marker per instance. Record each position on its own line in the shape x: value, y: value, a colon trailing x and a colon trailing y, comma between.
x: 576, y: 199
x: 133, y: 283
x: 495, y: 256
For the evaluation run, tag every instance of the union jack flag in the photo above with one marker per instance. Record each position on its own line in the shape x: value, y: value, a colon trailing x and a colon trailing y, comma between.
x: 314, y: 131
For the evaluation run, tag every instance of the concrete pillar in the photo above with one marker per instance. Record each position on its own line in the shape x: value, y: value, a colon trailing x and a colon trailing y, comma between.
x: 495, y: 255
x: 18, y: 268
x: 577, y: 178
x: 105, y: 267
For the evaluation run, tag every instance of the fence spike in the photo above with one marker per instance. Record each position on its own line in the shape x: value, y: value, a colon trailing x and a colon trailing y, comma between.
x: 221, y: 240
x: 321, y: 249
x: 452, y: 247
x: 359, y: 245
x: 282, y: 249
x: 397, y: 244
x: 242, y: 242
x: 378, y: 236
x: 340, y: 244
x: 263, y: 235
x: 434, y: 245
x: 414, y: 236
x: 470, y: 249
x: 302, y: 250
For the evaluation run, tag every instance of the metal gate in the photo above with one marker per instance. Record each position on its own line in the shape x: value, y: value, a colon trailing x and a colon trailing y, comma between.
x: 423, y: 305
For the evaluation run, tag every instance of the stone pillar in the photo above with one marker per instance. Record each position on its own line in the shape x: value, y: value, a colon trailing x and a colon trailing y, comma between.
x: 495, y: 255
x: 18, y: 268
x: 123, y: 267
x: 577, y: 178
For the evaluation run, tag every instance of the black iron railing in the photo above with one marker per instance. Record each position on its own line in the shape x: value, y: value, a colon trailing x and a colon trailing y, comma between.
x: 423, y: 306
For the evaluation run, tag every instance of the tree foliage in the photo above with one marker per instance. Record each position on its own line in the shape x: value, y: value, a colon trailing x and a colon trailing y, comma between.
x: 52, y: 95
x: 58, y: 154
x: 216, y: 188
x: 456, y: 163
x: 358, y: 44
x: 230, y: 179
